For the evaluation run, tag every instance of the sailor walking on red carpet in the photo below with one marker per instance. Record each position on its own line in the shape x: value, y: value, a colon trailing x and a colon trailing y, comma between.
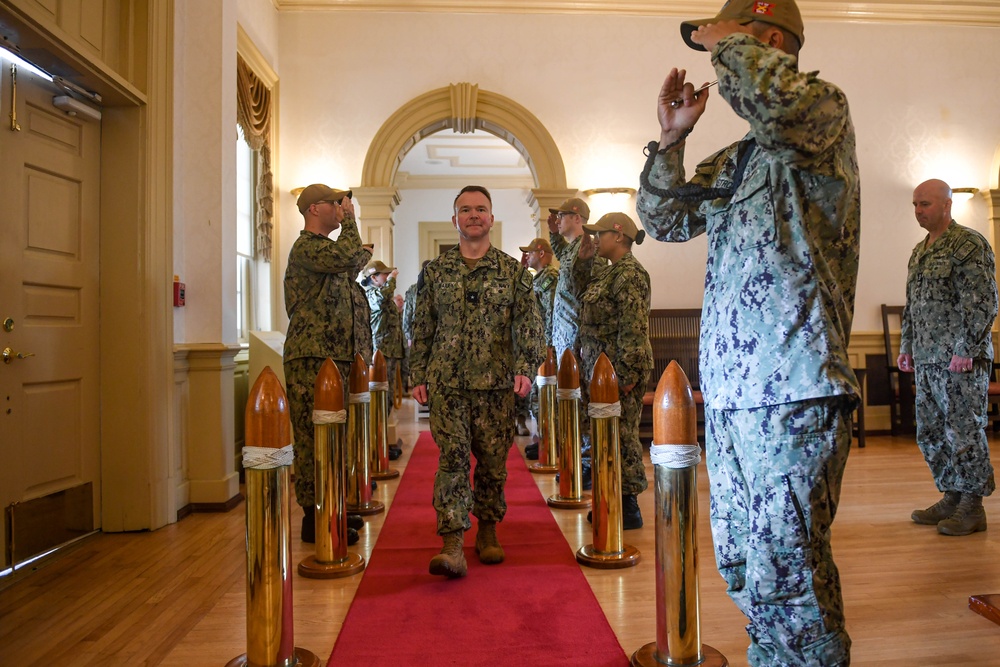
x: 477, y: 340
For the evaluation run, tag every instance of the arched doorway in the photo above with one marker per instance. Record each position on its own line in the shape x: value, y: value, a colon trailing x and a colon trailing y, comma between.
x: 464, y: 108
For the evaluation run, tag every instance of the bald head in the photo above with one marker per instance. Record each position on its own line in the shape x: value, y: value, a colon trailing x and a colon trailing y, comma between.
x: 932, y: 206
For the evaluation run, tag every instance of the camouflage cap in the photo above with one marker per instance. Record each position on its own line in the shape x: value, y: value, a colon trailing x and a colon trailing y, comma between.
x: 376, y: 266
x: 318, y: 192
x: 782, y: 13
x: 573, y: 205
x: 616, y: 222
x: 537, y: 245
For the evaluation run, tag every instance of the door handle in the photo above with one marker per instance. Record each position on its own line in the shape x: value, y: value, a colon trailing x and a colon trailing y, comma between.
x: 9, y: 355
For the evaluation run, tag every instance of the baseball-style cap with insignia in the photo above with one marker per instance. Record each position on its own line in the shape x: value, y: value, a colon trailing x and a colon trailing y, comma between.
x: 377, y: 266
x: 318, y: 192
x: 537, y: 245
x: 573, y: 205
x: 782, y: 13
x: 617, y: 222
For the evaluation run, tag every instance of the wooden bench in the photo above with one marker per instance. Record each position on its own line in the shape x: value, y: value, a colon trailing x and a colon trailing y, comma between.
x: 674, y: 335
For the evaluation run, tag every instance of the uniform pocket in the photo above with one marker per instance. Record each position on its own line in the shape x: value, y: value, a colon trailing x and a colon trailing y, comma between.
x: 751, y: 212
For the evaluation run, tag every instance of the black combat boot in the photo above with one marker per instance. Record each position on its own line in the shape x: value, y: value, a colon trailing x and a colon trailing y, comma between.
x: 355, y: 521
x: 309, y: 524
x: 631, y: 516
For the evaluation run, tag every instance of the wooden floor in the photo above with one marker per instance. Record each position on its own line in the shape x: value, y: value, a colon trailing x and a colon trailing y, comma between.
x: 177, y: 596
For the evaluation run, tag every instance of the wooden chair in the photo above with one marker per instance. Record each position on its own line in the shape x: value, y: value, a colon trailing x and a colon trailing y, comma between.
x: 901, y: 385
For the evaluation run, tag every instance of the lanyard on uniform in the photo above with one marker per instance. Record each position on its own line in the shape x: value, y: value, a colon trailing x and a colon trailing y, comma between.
x: 690, y: 192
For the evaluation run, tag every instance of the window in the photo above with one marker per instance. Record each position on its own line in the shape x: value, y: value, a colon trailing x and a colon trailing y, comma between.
x: 246, y: 223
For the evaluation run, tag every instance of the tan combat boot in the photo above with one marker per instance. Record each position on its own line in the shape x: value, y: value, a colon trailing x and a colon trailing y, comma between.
x: 969, y: 517
x: 487, y: 546
x: 939, y: 511
x: 451, y: 561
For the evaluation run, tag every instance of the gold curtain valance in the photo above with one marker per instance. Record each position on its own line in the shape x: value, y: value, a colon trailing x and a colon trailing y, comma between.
x: 253, y: 114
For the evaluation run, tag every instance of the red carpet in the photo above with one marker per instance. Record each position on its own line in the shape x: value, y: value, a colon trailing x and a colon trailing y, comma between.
x: 535, y: 608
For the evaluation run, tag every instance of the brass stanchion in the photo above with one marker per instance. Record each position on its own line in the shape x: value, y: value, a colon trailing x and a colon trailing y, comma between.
x: 359, y: 479
x: 547, y: 463
x: 608, y: 551
x: 331, y: 559
x: 397, y: 393
x: 379, y: 388
x: 571, y: 495
x: 267, y: 460
x: 675, y: 453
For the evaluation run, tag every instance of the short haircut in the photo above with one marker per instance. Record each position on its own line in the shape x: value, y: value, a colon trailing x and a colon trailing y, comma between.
x: 471, y: 188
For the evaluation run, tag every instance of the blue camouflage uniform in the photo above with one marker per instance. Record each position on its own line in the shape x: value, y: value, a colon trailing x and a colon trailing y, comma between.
x: 779, y: 300
x: 951, y: 302
x: 566, y: 316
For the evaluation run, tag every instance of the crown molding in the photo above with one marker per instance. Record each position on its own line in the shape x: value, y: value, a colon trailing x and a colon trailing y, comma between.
x: 938, y: 12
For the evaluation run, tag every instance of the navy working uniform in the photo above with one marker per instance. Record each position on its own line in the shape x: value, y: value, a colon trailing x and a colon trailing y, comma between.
x: 474, y: 329
x: 951, y: 302
x: 778, y: 305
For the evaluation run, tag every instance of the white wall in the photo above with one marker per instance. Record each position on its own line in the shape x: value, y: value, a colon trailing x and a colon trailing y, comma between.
x: 921, y: 98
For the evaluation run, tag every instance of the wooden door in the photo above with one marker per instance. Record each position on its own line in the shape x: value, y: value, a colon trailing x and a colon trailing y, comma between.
x: 49, y: 308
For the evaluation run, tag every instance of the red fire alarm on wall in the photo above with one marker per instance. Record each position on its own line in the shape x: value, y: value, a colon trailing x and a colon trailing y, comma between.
x: 178, y: 292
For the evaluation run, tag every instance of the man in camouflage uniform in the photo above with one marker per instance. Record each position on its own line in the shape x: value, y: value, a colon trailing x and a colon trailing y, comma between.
x: 324, y: 309
x: 477, y: 341
x: 781, y: 209
x: 614, y: 319
x: 539, y: 257
x: 565, y: 232
x: 951, y: 301
x: 386, y: 320
x: 409, y: 306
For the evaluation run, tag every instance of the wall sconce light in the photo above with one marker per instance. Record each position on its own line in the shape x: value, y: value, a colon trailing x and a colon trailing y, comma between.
x: 297, y: 191
x: 968, y: 193
x: 608, y: 200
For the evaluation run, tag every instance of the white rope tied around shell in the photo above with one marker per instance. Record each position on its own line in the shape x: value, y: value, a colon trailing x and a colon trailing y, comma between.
x: 568, y: 394
x: 604, y: 410
x: 363, y: 397
x: 675, y: 456
x: 266, y: 458
x: 378, y: 386
x: 542, y: 380
x: 329, y: 416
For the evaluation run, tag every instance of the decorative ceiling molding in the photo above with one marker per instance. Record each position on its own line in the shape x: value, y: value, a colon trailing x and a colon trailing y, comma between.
x: 960, y: 12
x: 463, y: 107
x: 407, y: 181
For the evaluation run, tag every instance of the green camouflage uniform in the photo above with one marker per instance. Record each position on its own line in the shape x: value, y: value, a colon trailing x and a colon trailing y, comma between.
x: 409, y: 306
x: 614, y: 319
x: 386, y: 328
x: 325, y: 311
x: 951, y: 301
x: 544, y: 286
x: 566, y: 316
x: 473, y: 331
x: 777, y: 381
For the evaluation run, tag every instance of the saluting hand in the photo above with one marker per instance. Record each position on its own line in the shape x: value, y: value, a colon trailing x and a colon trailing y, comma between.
x: 587, y: 247
x: 674, y: 121
x: 553, y: 223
